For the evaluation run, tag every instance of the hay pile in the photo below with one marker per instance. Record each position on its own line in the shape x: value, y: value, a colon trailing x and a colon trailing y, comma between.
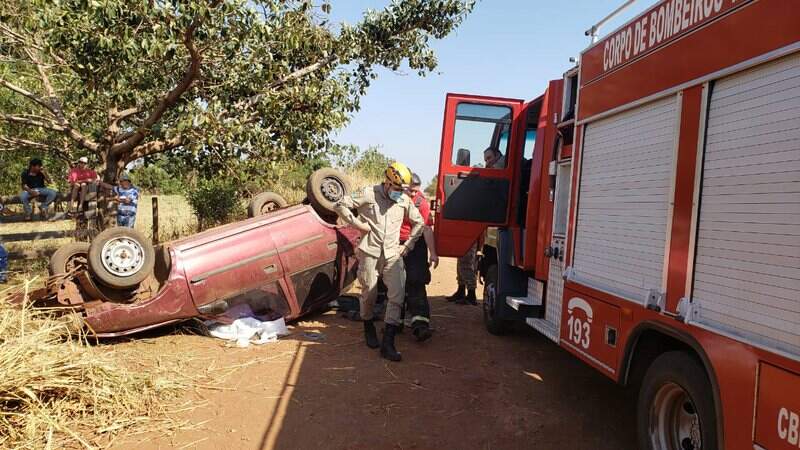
x: 58, y: 391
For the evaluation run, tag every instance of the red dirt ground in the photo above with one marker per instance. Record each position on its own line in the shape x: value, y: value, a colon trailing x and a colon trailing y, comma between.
x: 463, y: 389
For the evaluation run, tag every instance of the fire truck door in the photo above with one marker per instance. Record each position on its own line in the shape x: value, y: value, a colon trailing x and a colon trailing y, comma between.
x: 478, y: 158
x: 550, y: 325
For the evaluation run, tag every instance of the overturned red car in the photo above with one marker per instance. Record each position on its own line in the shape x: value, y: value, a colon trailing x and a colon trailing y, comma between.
x: 284, y: 260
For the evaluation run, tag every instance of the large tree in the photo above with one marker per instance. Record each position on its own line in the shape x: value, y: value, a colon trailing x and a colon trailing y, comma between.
x: 125, y: 79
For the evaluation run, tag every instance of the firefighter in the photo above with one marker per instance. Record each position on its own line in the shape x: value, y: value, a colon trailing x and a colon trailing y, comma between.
x: 381, y: 211
x: 418, y: 273
x: 466, y: 274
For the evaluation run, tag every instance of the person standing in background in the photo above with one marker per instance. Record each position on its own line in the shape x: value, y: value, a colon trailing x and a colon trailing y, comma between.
x: 127, y: 196
x: 418, y: 273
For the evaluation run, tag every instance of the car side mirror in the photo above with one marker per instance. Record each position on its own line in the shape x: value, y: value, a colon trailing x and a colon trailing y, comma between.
x: 462, y: 157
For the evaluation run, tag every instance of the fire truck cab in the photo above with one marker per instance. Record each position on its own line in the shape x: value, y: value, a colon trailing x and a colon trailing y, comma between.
x: 643, y: 212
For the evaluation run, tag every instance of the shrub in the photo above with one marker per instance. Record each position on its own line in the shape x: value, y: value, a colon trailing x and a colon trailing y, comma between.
x: 154, y: 179
x: 215, y: 201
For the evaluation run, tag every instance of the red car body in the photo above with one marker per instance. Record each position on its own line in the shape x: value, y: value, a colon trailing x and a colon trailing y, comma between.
x: 289, y: 261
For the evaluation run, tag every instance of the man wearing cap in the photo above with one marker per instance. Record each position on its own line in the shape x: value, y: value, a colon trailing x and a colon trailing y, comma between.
x: 381, y: 210
x: 418, y: 273
x: 128, y: 199
x: 80, y: 177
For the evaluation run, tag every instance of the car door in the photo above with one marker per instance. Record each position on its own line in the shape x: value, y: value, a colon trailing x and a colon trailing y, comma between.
x: 471, y: 196
x: 232, y: 265
x: 308, y: 249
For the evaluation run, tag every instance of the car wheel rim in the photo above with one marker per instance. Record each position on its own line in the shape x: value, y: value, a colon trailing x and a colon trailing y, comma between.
x: 674, y: 423
x: 122, y: 256
x: 75, y: 262
x: 332, y: 189
x: 269, y: 207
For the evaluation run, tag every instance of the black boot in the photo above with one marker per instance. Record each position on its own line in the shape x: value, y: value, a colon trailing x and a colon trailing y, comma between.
x: 469, y: 299
x: 459, y: 294
x: 421, y: 331
x: 387, y: 347
x: 370, y: 335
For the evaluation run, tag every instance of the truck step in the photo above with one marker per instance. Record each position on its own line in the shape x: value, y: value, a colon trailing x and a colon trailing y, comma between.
x: 516, y: 302
x: 547, y: 328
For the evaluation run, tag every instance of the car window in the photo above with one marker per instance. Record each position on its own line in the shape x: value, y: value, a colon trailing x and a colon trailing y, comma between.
x: 480, y: 135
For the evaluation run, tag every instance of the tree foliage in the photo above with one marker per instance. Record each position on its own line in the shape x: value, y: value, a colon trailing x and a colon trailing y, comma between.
x: 430, y: 190
x: 215, y: 79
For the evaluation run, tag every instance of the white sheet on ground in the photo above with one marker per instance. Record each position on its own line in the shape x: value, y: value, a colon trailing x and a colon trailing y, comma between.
x: 247, y: 328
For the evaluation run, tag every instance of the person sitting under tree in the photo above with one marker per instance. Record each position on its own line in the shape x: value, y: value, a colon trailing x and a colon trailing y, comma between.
x: 34, y: 185
x: 79, y: 178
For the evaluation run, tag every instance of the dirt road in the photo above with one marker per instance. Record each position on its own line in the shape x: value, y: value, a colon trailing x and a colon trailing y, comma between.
x: 463, y: 389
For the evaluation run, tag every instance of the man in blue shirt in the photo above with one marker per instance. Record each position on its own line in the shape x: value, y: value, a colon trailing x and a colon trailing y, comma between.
x: 128, y: 199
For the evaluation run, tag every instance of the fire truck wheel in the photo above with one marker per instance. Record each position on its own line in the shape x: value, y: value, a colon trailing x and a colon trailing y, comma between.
x: 675, y: 407
x: 264, y: 203
x: 68, y: 257
x: 325, y: 187
x: 121, y: 258
x: 494, y: 324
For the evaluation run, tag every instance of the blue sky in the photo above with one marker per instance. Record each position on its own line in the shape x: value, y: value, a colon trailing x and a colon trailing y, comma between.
x: 505, y: 48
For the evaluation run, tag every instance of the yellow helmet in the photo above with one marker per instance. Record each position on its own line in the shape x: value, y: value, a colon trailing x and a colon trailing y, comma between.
x: 398, y: 174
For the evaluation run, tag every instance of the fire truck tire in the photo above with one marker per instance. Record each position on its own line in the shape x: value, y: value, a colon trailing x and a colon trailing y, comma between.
x: 494, y: 324
x: 68, y: 257
x: 264, y: 203
x: 121, y: 258
x: 675, y: 408
x: 325, y: 187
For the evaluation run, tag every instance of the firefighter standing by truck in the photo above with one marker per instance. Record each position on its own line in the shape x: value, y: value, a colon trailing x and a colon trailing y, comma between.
x: 418, y: 273
x: 381, y: 209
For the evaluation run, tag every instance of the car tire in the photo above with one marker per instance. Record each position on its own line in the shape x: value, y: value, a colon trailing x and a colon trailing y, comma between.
x: 121, y: 258
x: 675, y: 407
x: 493, y: 323
x: 265, y: 203
x: 325, y: 187
x: 68, y: 257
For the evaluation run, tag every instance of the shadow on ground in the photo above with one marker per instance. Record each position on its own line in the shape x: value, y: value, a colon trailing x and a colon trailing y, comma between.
x: 322, y: 387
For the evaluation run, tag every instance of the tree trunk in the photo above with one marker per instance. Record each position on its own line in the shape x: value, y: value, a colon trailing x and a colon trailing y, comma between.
x: 113, y: 167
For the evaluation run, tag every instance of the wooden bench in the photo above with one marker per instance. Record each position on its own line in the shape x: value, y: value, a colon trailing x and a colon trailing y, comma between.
x: 6, y: 200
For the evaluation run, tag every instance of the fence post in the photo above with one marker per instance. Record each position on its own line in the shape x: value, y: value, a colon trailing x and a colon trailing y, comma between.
x: 155, y: 220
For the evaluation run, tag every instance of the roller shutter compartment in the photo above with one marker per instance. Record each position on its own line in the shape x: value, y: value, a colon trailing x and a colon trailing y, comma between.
x: 626, y: 168
x: 747, y: 262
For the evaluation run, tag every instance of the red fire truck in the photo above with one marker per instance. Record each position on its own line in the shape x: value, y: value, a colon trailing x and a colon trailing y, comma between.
x: 647, y: 215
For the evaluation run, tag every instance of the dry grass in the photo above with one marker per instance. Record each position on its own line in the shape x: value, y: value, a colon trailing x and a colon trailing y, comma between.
x: 58, y: 391
x: 175, y: 217
x: 360, y: 181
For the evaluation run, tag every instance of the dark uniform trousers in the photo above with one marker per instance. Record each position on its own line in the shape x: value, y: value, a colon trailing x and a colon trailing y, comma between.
x: 418, y: 275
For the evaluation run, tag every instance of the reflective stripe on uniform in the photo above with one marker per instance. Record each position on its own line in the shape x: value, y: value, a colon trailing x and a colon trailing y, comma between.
x: 420, y: 319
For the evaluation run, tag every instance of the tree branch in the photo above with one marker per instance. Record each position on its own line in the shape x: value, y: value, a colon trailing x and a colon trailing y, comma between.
x: 172, y: 97
x: 13, y: 144
x: 151, y: 148
x: 302, y: 72
x: 297, y: 74
x: 54, y: 106
x: 29, y: 95
x: 33, y: 121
